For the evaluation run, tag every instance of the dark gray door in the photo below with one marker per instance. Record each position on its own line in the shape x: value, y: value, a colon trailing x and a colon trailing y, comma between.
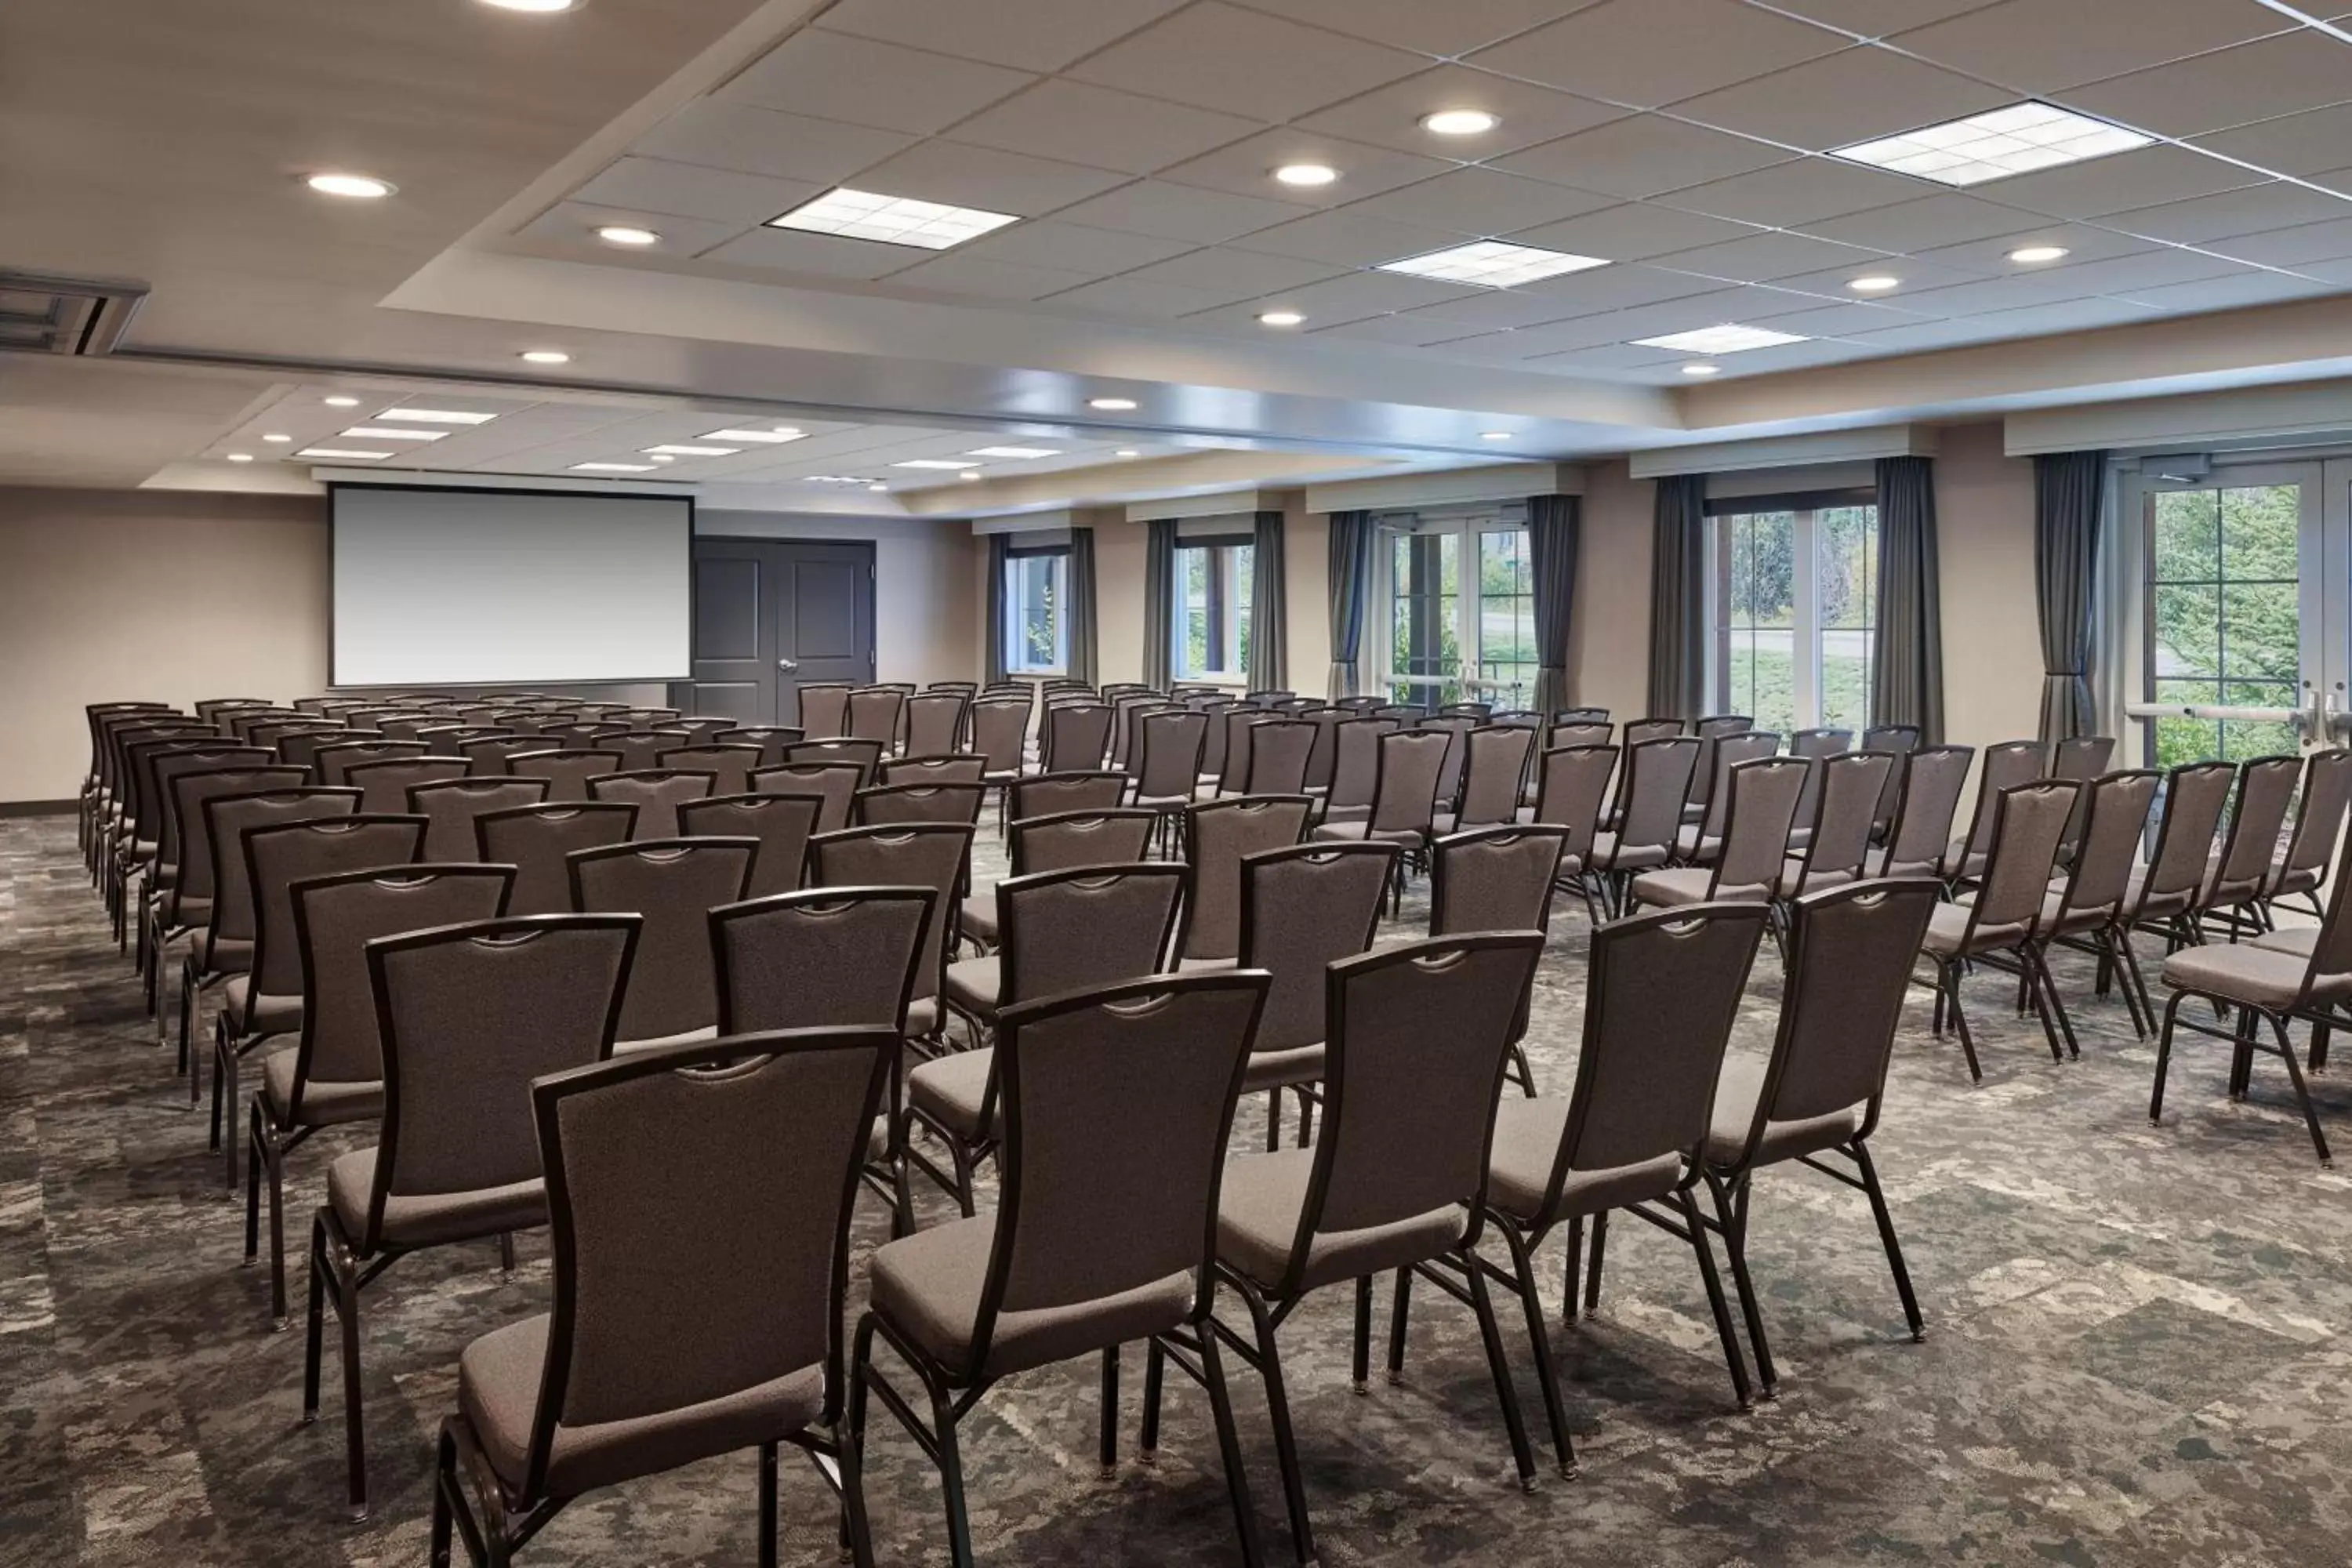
x: 771, y: 613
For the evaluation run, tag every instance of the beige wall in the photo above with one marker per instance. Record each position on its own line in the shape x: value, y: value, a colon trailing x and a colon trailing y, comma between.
x: 1119, y: 599
x: 1609, y: 626
x: 1984, y: 538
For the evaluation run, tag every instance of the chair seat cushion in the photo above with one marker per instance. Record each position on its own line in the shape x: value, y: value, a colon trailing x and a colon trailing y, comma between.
x: 977, y: 917
x: 249, y: 1015
x: 1527, y: 1144
x: 1608, y: 853
x: 2297, y: 940
x: 221, y: 954
x: 422, y: 1219
x: 927, y: 1286
x: 1793, y: 877
x: 1947, y: 926
x: 923, y: 1017
x: 1258, y: 1224
x: 1278, y: 1070
x: 1665, y: 890
x: 325, y: 1103
x: 497, y: 1392
x: 975, y: 984
x: 2241, y: 972
x: 1691, y: 844
x: 950, y: 1089
x: 2301, y: 880
x: 1736, y: 1094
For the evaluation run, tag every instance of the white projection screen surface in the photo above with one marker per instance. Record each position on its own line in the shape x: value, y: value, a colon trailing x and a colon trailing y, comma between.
x: 447, y: 587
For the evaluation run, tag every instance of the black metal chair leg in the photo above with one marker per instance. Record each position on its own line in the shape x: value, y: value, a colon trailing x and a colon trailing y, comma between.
x: 1539, y: 1341
x: 1878, y: 1211
x: 2163, y: 1057
x: 1722, y: 1309
x: 1155, y: 1369
x: 2302, y: 1090
x: 1592, y: 1270
x: 1229, y: 1447
x: 1285, y: 1442
x: 767, y: 1505
x: 1482, y: 1301
x: 1108, y: 1450
x: 1731, y: 1211
x: 1571, y: 1294
x: 1398, y: 1312
x: 1950, y: 974
x: 1362, y: 1363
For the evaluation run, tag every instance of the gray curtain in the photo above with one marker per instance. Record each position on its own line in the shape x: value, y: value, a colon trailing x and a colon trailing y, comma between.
x: 1907, y: 657
x: 2067, y: 490
x: 1081, y: 574
x: 999, y: 546
x: 1554, y: 533
x: 1159, y: 590
x: 1269, y: 658
x: 1678, y: 598
x: 1351, y: 576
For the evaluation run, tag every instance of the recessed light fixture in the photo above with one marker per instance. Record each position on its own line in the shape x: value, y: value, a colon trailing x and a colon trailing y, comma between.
x: 836, y: 479
x: 546, y: 356
x: 672, y: 450
x: 1875, y: 283
x: 1015, y: 452
x: 2030, y: 254
x: 967, y: 473
x: 893, y: 220
x: 877, y: 486
x: 339, y: 401
x: 1492, y: 264
x: 340, y: 452
x: 436, y: 416
x: 1279, y: 318
x: 1305, y: 174
x: 664, y: 458
x: 381, y: 433
x: 612, y: 468
x: 932, y: 463
x: 1111, y: 405
x: 278, y: 438
x: 773, y: 436
x: 534, y: 6
x: 1702, y: 370
x: 628, y: 233
x: 1459, y: 122
x: 1127, y: 452
x: 361, y: 187
x: 1729, y: 338
x: 1994, y: 145
x: 1494, y: 434
x: 240, y: 456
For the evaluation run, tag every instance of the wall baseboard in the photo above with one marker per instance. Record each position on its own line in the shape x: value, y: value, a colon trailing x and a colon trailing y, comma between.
x: 38, y: 807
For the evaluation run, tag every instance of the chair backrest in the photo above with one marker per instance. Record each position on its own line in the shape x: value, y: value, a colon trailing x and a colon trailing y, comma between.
x: 2028, y: 824
x: 1901, y: 740
x: 335, y: 762
x: 822, y: 957
x: 228, y: 819
x: 947, y: 767
x: 2081, y: 758
x: 2196, y: 794
x: 1213, y: 742
x: 935, y: 722
x: 1497, y: 766
x: 674, y: 883
x: 2108, y: 849
x: 566, y: 771
x: 1572, y: 791
x: 2319, y: 815
x: 1000, y: 729
x: 730, y: 764
x: 768, y: 739
x: 873, y: 712
x: 1578, y: 735
x: 1304, y: 907
x: 385, y: 785
x: 1760, y: 810
x: 1046, y: 795
x: 1234, y: 763
x: 825, y: 708
x: 1850, y: 954
x: 1846, y: 789
x: 1410, y: 762
x: 1324, y: 755
x: 468, y: 1016
x: 1401, y: 713
x: 1217, y: 836
x: 1714, y: 726
x: 281, y: 853
x: 1075, y: 737
x: 1126, y: 706
x: 191, y: 793
x: 141, y: 807
x: 863, y: 751
x: 490, y: 757
x: 832, y: 785
x: 1820, y: 745
x: 917, y: 803
x: 1277, y: 756
x: 1657, y: 784
x: 1581, y: 715
x: 2331, y: 951
x: 1730, y: 752
x: 1494, y: 879
x: 450, y: 806
x: 1355, y: 761
x: 537, y: 840
x: 335, y: 917
x: 928, y: 855
x: 2006, y: 765
x: 1087, y: 927
x: 1165, y: 759
x: 656, y: 792
x: 1109, y: 835
x: 1456, y: 727
x: 168, y: 767
x: 781, y: 822
x: 2265, y: 789
x: 1919, y: 837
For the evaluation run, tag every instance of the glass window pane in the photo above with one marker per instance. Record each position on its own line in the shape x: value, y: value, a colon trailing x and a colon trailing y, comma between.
x: 2260, y: 624
x: 2259, y: 525
x: 2187, y: 536
x: 2187, y: 631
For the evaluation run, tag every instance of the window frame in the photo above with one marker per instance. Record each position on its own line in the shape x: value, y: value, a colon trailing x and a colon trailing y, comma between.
x: 1468, y: 526
x: 1227, y: 609
x: 1059, y: 554
x: 1804, y: 509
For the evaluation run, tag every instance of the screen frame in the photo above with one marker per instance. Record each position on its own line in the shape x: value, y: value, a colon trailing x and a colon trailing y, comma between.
x: 693, y: 523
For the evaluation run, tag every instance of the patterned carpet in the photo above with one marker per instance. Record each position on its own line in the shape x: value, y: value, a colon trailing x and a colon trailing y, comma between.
x: 2136, y: 1355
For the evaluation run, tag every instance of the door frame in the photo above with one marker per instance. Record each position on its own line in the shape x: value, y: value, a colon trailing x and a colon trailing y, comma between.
x: 681, y: 693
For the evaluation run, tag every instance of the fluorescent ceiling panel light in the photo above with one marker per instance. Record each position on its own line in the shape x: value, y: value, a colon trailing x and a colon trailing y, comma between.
x: 932, y: 463
x: 1994, y: 145
x: 628, y: 233
x: 366, y: 187
x: 1459, y: 122
x: 674, y: 450
x: 381, y: 433
x: 1877, y: 283
x: 436, y: 416
x: 1015, y: 452
x: 1111, y: 405
x: 1306, y: 174
x: 536, y: 5
x: 1723, y: 340
x: 612, y: 468
x: 339, y: 452
x: 341, y: 401
x: 546, y: 356
x: 1702, y: 370
x: 1280, y: 319
x: 835, y: 479
x: 772, y: 437
x: 893, y: 220
x: 273, y: 436
x: 1492, y: 264
x: 967, y: 473
x: 240, y: 456
x: 1127, y: 452
x: 877, y: 486
x: 2030, y: 254
x: 1494, y: 434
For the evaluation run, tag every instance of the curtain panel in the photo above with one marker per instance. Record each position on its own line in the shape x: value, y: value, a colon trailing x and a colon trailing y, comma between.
x: 1907, y: 654
x: 1678, y: 598
x: 1080, y: 572
x: 1351, y: 587
x: 1158, y: 600
x: 1269, y: 654
x: 992, y: 657
x: 2068, y: 488
x: 1555, y: 531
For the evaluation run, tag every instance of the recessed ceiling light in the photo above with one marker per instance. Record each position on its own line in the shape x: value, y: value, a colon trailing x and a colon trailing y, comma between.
x: 1459, y: 122
x: 893, y: 220
x: 1494, y: 434
x: 932, y: 463
x: 1994, y: 145
x: 1702, y: 370
x: 2030, y: 254
x: 836, y: 479
x: 538, y: 5
x: 1492, y: 264
x: 547, y: 356
x: 436, y: 416
x: 877, y: 486
x: 1015, y: 452
x: 381, y: 433
x: 1877, y: 283
x: 1127, y: 452
x: 967, y: 473
x: 1307, y: 175
x: 1729, y: 338
x: 628, y: 233
x: 339, y: 401
x: 1111, y: 405
x: 664, y: 458
x: 277, y: 438
x: 612, y: 468
x: 672, y: 450
x: 240, y: 456
x: 1280, y: 319
x: 363, y: 187
x: 771, y: 437
x: 339, y: 452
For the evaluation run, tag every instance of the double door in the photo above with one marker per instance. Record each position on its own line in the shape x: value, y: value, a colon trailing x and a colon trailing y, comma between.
x: 770, y: 613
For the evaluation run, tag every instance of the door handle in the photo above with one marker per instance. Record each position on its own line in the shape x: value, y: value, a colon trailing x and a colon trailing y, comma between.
x: 788, y: 665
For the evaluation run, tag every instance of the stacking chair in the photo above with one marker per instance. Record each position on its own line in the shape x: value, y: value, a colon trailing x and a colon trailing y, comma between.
x: 1700, y: 842
x: 1846, y: 790
x: 1587, y: 715
x: 824, y: 709
x: 334, y: 1075
x: 223, y: 945
x: 1109, y: 835
x: 1650, y: 796
x: 537, y: 841
x: 155, y: 837
x: 1899, y: 741
x: 335, y: 762
x: 1398, y: 1176
x: 450, y: 806
x: 889, y: 804
x: 1126, y: 707
x: 2085, y: 908
x: 2001, y: 926
x: 1355, y: 767
x: 384, y: 786
x: 1075, y: 738
x: 1709, y: 730
x: 705, y: 728
x: 656, y: 792
x: 1304, y: 907
x: 866, y: 753
x: 2005, y: 766
x: 2230, y: 905
x: 584, y: 734
x: 781, y: 823
x: 831, y: 785
x: 1166, y: 762
x: 672, y: 994
x: 768, y: 739
x: 1497, y: 761
x: 2163, y: 896
x: 1758, y: 809
x: 1277, y: 752
x: 1849, y: 951
x: 1662, y: 995
x: 935, y: 722
x: 184, y: 905
x: 729, y: 765
x: 1817, y: 745
x: 947, y: 767
x: 1212, y: 744
x: 1580, y: 734
x: 1401, y: 713
x: 1572, y: 792
x: 2318, y: 828
x: 927, y: 854
x: 2081, y: 758
x: 1099, y: 1237
x: 1218, y: 834
x: 1498, y: 879
x: 1918, y: 835
x: 1064, y: 931
x: 491, y: 756
x: 1322, y: 757
x: 874, y: 713
x: 467, y: 1017
x: 1404, y: 799
x: 1044, y: 794
x: 1000, y: 731
x: 567, y: 771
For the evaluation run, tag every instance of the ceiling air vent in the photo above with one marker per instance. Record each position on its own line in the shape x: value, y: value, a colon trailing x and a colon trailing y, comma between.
x: 45, y: 315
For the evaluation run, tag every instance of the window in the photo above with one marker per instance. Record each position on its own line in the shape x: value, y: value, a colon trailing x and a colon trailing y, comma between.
x: 1037, y: 635
x: 1209, y: 626
x: 1796, y: 608
x: 2223, y: 615
x: 1456, y: 637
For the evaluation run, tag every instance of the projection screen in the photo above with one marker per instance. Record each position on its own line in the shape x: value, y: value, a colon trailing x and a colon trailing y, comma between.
x: 454, y: 587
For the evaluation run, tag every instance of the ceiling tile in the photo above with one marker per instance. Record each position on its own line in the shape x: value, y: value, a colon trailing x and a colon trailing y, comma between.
x: 2041, y: 45
x: 1917, y: 276
x: 1986, y: 295
x: 1049, y: 242
x: 988, y: 278
x: 984, y: 178
x: 2250, y: 210
x: 1856, y: 95
x: 1788, y: 194
x: 1989, y: 256
x: 1132, y: 297
x: 1651, y: 52
x: 2306, y: 143
x: 1643, y: 155
x: 1349, y: 240
x: 1391, y: 116
x: 2150, y: 269
x: 1400, y: 331
x: 1114, y: 130
x: 825, y: 255
x: 1632, y: 232
x: 1220, y: 57
x: 1877, y: 18
x: 1480, y: 201
x: 1815, y: 319
x: 1353, y: 295
x: 868, y: 83
x: 1912, y: 227
x: 2311, y: 242
x: 2126, y: 180
x: 2230, y: 293
x: 1246, y: 168
x: 1036, y: 35
x: 1762, y: 256
x: 1233, y: 274
x: 1619, y: 288
x: 1610, y: 356
x: 575, y: 223
x: 767, y: 141
x: 1926, y: 336
x: 1495, y: 310
x: 2339, y: 272
x: 1455, y: 27
x: 2261, y: 81
x: 1178, y: 212
x: 691, y: 190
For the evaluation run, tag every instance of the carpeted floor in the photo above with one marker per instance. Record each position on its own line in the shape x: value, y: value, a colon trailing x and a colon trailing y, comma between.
x: 2137, y: 1349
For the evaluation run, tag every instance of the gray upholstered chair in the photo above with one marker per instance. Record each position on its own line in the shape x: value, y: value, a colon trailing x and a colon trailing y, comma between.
x: 490, y: 756
x: 1572, y: 791
x: 1898, y: 741
x: 1757, y: 807
x: 823, y: 709
x: 334, y: 1074
x: 384, y: 786
x: 182, y: 904
x: 223, y: 945
x: 537, y: 840
x: 1279, y: 750
x: 2086, y: 906
x: 728, y: 763
x: 1304, y: 907
x: 1491, y: 779
x: 888, y: 804
x: 2320, y: 809
x: 831, y: 785
x: 2231, y: 904
x: 1111, y: 836
x: 1074, y: 738
x: 2080, y: 758
x: 1701, y: 838
x: 935, y: 722
x: 930, y: 855
x: 781, y: 822
x: 945, y: 767
x: 1000, y: 731
x: 1217, y: 836
x: 1845, y: 788
x: 656, y: 792
x: 1419, y: 1037
x: 1165, y: 760
x: 450, y: 806
x: 768, y: 739
x: 2006, y: 765
x: 1047, y: 794
x: 1818, y: 745
x: 334, y: 761
x: 467, y: 1017
x: 672, y: 996
x: 1405, y: 798
x: 874, y: 714
x: 1498, y: 879
x: 2001, y: 926
x: 1100, y: 1237
x: 158, y: 844
x: 2163, y: 895
x: 1652, y: 788
x: 863, y: 750
x: 1355, y: 767
x: 1918, y: 835
x: 567, y: 771
x: 1323, y: 756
